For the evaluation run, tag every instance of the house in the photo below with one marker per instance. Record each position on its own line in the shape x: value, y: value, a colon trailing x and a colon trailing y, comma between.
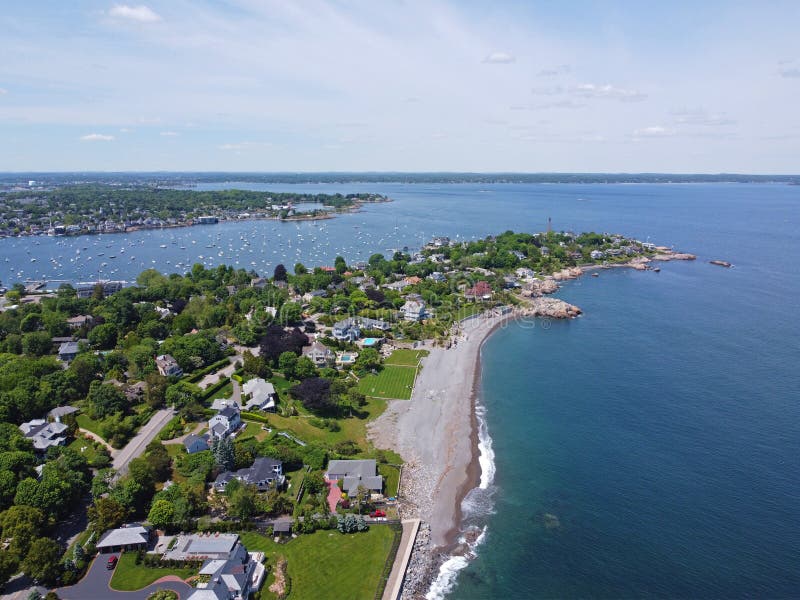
x: 265, y: 473
x: 480, y: 291
x: 545, y: 251
x: 348, y: 329
x: 259, y: 283
x: 230, y: 573
x: 367, y: 323
x: 525, y: 273
x: 67, y: 351
x: 168, y: 366
x: 127, y: 537
x: 440, y: 241
x: 518, y: 254
x: 59, y: 412
x: 85, y: 289
x: 319, y: 354
x: 80, y: 321
x: 225, y: 422
x: 309, y: 296
x: 596, y: 254
x: 260, y: 395
x: 413, y: 310
x: 510, y: 282
x: 195, y: 443
x: 355, y: 473
x: 438, y: 277
x: 44, y: 435
x: 135, y: 393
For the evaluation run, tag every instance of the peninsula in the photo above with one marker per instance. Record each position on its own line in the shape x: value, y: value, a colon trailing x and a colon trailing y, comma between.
x: 264, y: 408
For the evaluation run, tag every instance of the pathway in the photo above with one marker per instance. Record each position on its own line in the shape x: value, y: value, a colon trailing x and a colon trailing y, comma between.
x: 146, y: 435
x: 394, y: 584
x: 93, y: 436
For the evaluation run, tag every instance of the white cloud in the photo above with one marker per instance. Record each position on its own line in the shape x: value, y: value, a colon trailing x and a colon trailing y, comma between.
x: 97, y: 137
x: 790, y: 72
x: 169, y: 134
x: 500, y: 58
x: 591, y: 90
x: 653, y: 131
x: 242, y: 146
x: 3, y: 92
x: 140, y: 14
x: 700, y: 116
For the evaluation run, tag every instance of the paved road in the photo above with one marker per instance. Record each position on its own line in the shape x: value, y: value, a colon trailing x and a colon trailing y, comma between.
x: 94, y: 585
x: 146, y: 435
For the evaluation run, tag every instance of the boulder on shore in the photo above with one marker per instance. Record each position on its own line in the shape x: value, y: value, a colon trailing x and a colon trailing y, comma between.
x: 552, y: 308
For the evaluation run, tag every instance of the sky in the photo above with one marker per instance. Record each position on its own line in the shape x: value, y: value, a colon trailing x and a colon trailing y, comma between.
x: 430, y: 85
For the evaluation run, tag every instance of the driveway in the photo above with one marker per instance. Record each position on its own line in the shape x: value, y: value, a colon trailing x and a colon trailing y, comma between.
x: 137, y: 445
x: 94, y: 585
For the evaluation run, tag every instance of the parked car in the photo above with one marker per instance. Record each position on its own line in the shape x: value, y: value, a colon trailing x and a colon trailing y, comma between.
x: 377, y: 513
x: 112, y: 562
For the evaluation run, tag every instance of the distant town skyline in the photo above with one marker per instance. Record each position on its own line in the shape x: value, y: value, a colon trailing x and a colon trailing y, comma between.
x: 251, y: 85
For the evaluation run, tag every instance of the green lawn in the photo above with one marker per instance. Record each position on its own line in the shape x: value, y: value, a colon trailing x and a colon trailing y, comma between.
x: 85, y: 448
x: 409, y: 358
x: 327, y: 564
x: 392, y: 382
x: 85, y: 422
x: 391, y: 479
x: 128, y: 576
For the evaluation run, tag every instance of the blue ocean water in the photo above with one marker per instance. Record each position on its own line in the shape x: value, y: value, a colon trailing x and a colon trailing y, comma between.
x: 650, y: 448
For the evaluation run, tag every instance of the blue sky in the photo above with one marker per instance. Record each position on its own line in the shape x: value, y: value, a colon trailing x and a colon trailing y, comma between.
x: 256, y: 85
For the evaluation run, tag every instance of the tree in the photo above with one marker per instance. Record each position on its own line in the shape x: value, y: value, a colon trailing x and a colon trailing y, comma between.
x: 255, y: 365
x: 291, y: 312
x: 314, y: 482
x: 42, y: 564
x: 31, y: 322
x: 287, y: 362
x: 368, y: 359
x: 36, y: 343
x: 9, y: 565
x: 156, y: 391
x: 183, y: 393
x: 340, y: 265
x: 104, y: 400
x: 162, y: 514
x: 280, y: 273
x: 314, y: 393
x: 300, y: 269
x: 304, y: 368
x: 242, y: 501
x: 107, y: 513
x: 21, y: 524
x: 224, y: 454
x: 103, y: 336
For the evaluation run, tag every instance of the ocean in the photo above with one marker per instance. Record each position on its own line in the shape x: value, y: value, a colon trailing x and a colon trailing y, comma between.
x: 650, y: 448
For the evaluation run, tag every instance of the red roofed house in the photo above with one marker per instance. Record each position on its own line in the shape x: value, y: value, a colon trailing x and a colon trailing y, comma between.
x: 480, y: 291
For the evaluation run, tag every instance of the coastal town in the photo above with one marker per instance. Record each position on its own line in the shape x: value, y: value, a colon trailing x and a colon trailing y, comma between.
x: 221, y: 433
x: 101, y: 208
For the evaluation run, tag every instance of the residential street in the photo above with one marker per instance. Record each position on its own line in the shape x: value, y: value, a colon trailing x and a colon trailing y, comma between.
x: 146, y: 435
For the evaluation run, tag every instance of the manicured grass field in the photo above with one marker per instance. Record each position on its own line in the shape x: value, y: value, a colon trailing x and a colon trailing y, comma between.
x: 85, y: 448
x: 128, y: 576
x: 391, y: 479
x: 328, y: 564
x: 409, y: 358
x: 392, y: 382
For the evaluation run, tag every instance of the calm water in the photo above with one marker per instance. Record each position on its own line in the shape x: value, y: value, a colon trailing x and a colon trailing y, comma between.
x: 661, y: 430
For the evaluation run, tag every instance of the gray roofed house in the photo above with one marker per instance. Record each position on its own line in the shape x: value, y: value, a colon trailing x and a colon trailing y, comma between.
x: 129, y: 537
x: 260, y: 394
x: 195, y: 443
x: 62, y: 411
x: 319, y: 354
x: 225, y: 422
x: 168, y: 366
x: 265, y: 473
x: 43, y: 434
x: 68, y: 351
x: 354, y: 473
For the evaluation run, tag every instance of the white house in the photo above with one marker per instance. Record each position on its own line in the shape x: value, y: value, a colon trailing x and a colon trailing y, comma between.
x: 597, y: 254
x: 168, y: 366
x: 194, y: 443
x: 319, y: 354
x: 225, y: 422
x: 259, y: 394
x: 413, y: 310
x: 43, y: 434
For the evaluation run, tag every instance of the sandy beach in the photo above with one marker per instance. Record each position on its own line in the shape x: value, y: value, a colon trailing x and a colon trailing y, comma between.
x: 435, y: 432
